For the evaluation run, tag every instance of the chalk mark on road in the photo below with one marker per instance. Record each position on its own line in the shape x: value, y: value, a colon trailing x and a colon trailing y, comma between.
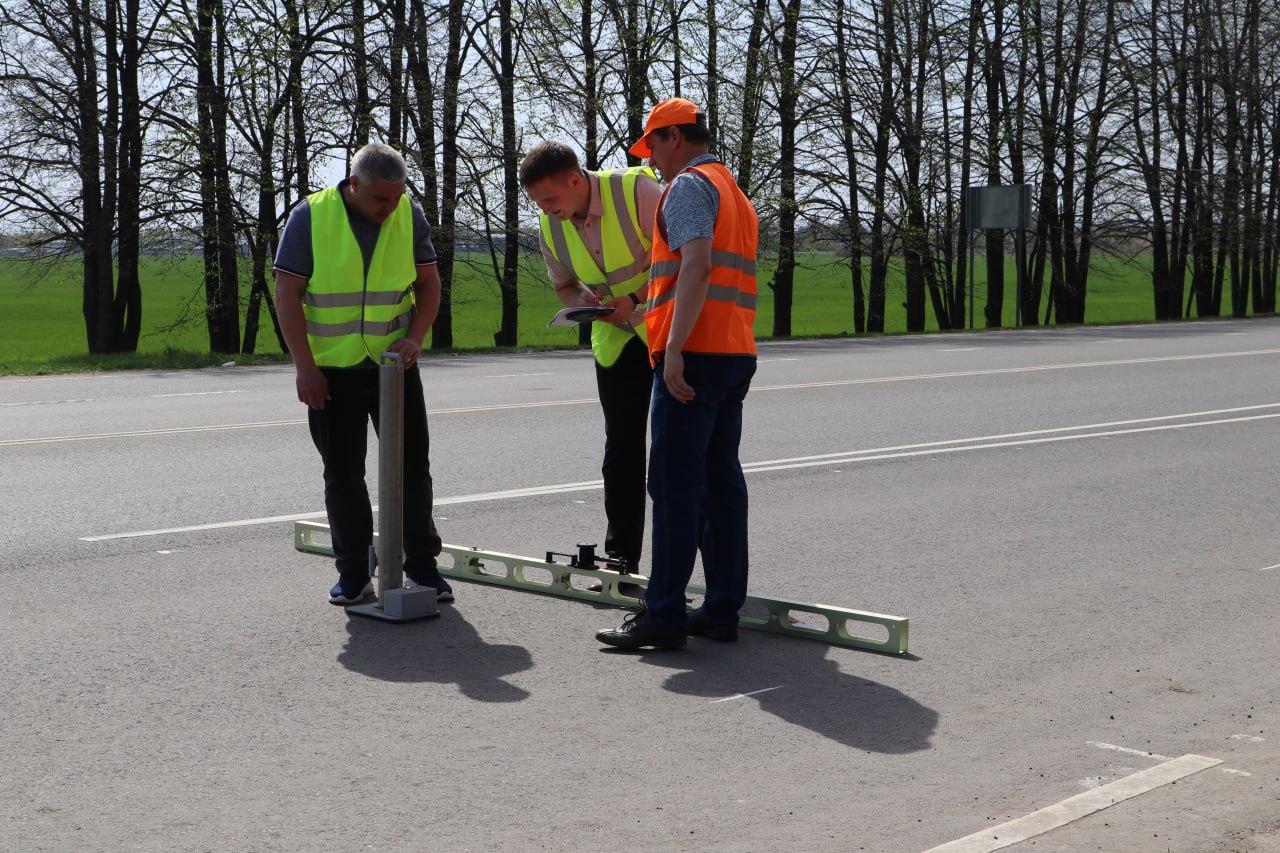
x: 745, y: 695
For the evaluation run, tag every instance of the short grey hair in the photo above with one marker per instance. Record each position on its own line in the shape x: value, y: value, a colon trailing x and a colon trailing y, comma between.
x: 380, y: 163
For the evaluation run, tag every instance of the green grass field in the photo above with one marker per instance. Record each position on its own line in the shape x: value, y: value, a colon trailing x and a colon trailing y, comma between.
x: 42, y: 327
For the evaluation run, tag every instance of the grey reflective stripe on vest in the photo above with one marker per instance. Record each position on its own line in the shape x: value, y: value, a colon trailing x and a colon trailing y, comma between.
x: 635, y: 245
x: 734, y: 261
x: 664, y: 269
x: 355, y: 327
x: 626, y: 273
x: 558, y: 241
x: 729, y: 293
x: 353, y: 300
x: 715, y: 293
x: 719, y: 258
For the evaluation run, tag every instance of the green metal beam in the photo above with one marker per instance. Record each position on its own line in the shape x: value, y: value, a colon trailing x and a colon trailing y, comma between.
x: 838, y: 626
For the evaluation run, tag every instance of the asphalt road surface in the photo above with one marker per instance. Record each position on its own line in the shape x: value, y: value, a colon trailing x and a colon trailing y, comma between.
x: 1080, y: 524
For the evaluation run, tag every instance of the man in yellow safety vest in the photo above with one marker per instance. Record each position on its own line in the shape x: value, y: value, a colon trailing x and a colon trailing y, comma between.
x: 355, y: 277
x: 596, y: 230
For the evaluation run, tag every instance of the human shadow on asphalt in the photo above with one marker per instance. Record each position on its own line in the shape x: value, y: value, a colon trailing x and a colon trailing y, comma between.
x: 447, y: 650
x: 811, y: 691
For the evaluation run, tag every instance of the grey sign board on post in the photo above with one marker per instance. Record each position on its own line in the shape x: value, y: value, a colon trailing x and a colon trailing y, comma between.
x: 1000, y: 206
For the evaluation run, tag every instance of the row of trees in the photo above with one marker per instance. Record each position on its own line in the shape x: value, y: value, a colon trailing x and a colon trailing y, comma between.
x: 1141, y: 125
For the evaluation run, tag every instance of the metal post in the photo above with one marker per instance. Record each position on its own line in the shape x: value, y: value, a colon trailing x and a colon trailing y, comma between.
x: 390, y: 473
x: 395, y: 604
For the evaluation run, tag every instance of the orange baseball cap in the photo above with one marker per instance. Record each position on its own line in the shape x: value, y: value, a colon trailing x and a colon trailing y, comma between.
x: 668, y: 113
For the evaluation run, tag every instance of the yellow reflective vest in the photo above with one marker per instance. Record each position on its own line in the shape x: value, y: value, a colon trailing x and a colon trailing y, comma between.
x: 350, y: 316
x: 626, y: 255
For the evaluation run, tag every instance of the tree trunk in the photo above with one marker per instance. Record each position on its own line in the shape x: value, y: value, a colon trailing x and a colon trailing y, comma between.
x: 506, y: 336
x: 887, y: 109
x: 784, y: 276
x: 751, y: 97
x: 995, y: 237
x: 127, y: 308
x: 853, y: 220
x: 442, y: 331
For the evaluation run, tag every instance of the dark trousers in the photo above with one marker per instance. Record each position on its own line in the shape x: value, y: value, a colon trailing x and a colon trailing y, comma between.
x: 624, y: 388
x: 699, y: 493
x: 339, y: 431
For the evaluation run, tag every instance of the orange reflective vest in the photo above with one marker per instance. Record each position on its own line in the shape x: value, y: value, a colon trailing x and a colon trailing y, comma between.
x: 724, y: 325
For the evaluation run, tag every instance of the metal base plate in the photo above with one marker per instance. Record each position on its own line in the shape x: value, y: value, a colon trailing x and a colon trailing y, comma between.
x: 400, y: 605
x: 838, y: 626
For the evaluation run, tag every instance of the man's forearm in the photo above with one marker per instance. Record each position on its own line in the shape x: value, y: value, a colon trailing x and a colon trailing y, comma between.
x: 293, y: 324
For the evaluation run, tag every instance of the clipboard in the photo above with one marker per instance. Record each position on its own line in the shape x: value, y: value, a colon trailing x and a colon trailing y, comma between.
x: 575, y: 316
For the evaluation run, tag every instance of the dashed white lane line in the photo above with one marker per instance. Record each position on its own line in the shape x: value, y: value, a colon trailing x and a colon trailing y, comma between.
x: 198, y: 394
x: 1081, y: 805
x: 515, y: 375
x: 961, y: 349
x: 1250, y: 738
x: 745, y: 695
x: 835, y: 383
x: 1269, y: 568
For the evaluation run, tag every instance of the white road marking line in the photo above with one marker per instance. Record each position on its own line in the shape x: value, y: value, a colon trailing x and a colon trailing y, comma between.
x: 1081, y: 805
x: 515, y: 375
x: 198, y: 393
x: 217, y: 525
x: 960, y: 349
x: 1003, y: 370
x: 857, y: 456
x: 1158, y: 757
x: 770, y: 360
x: 745, y: 695
x: 835, y: 383
x: 1250, y: 738
x: 1127, y: 751
x: 1269, y: 568
x: 255, y: 424
x: 55, y: 439
x: 49, y: 402
x: 509, y: 494
x: 845, y: 457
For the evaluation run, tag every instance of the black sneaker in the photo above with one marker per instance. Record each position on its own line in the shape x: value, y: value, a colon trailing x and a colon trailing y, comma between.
x: 349, y: 591
x: 444, y: 592
x: 701, y: 625
x: 640, y: 630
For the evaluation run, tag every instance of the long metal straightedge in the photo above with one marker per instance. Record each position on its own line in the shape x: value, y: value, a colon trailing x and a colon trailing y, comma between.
x: 838, y: 626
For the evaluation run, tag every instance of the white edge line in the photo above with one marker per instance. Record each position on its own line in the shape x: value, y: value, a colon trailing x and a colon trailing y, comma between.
x: 217, y: 525
x: 848, y: 457
x: 1081, y: 805
x: 532, y: 491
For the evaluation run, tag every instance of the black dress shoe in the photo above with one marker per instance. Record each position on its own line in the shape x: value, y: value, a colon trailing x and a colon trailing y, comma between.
x: 701, y: 625
x: 640, y: 630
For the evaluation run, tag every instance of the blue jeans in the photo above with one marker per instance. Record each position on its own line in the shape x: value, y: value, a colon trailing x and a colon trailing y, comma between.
x: 699, y: 493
